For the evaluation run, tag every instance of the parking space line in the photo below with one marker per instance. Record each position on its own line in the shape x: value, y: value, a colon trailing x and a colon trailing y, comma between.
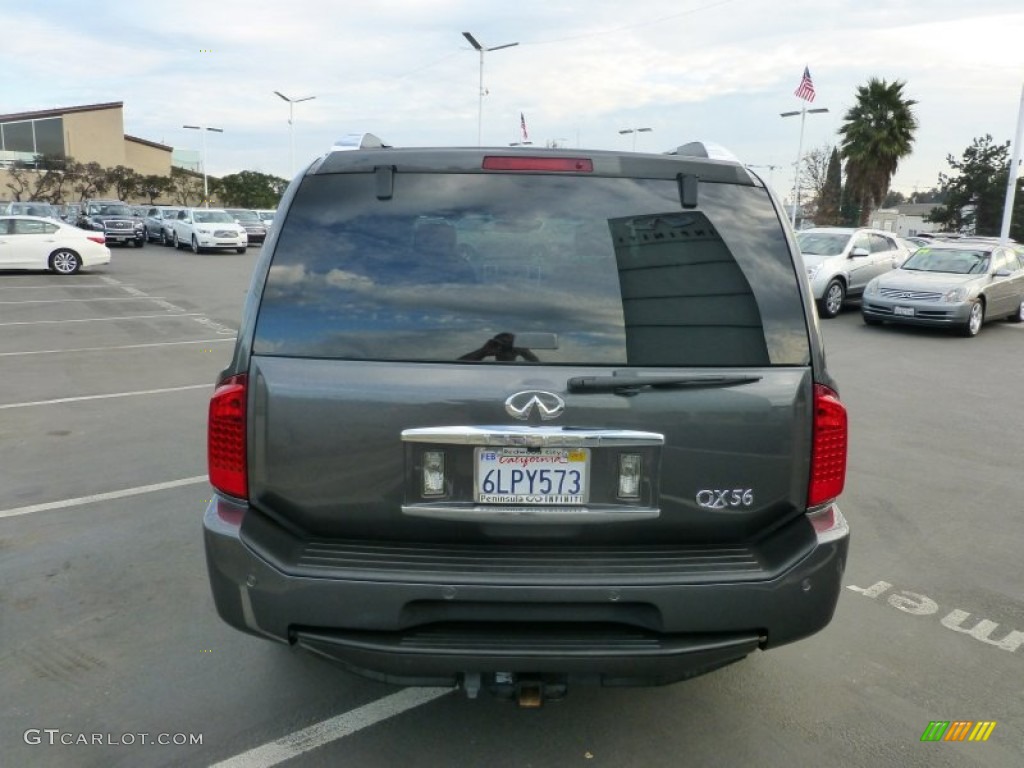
x: 68, y: 301
x: 97, y: 319
x: 121, y: 346
x: 81, y: 398
x: 124, y: 493
x: 335, y: 728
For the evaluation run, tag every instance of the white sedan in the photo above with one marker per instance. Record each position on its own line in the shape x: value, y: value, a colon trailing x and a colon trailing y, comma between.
x: 32, y: 242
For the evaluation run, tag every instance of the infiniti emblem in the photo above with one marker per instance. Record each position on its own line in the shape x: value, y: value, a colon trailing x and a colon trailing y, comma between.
x: 521, y: 405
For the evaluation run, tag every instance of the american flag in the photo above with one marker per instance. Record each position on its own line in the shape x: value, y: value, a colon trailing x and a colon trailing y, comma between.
x: 806, y: 88
x: 522, y: 124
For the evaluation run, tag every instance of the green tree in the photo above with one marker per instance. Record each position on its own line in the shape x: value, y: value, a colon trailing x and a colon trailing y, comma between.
x: 893, y: 198
x: 878, y: 132
x: 933, y: 195
x: 186, y: 187
x: 153, y: 186
x: 90, y: 180
x: 976, y: 196
x: 252, y: 189
x: 126, y: 182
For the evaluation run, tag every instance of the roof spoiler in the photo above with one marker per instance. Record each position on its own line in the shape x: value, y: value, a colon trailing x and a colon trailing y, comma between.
x: 358, y: 141
x: 704, y: 149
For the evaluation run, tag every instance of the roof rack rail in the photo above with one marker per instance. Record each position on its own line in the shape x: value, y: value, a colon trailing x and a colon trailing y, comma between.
x: 358, y: 141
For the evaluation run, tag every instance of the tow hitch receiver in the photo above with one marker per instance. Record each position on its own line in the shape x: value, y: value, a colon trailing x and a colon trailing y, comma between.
x: 529, y: 691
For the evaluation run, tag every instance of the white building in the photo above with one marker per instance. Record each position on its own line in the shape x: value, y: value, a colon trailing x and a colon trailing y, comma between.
x: 905, y: 220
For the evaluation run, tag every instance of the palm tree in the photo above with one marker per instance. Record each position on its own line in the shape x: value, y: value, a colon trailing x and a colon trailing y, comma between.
x: 877, y: 133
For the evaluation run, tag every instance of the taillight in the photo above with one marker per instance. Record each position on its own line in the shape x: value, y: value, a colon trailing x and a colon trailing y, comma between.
x: 515, y: 163
x: 225, y: 444
x: 101, y: 239
x: 828, y: 452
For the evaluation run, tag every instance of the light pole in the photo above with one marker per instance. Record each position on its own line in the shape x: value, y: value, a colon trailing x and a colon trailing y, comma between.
x: 804, y: 111
x: 771, y: 173
x: 635, y: 131
x: 202, y: 131
x: 291, y: 127
x: 480, y: 108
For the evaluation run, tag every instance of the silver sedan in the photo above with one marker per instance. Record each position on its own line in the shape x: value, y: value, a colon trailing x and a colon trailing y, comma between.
x: 959, y: 285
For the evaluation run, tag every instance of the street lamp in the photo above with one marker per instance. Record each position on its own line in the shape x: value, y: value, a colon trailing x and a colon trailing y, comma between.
x: 291, y: 126
x: 804, y: 111
x: 202, y: 130
x: 635, y: 131
x: 480, y: 109
x: 771, y: 173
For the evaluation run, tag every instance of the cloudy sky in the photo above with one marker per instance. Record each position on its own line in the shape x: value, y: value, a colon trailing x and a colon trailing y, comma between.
x: 718, y: 70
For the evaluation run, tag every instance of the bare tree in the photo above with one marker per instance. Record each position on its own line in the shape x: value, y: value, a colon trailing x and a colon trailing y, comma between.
x: 35, y: 179
x: 814, y: 175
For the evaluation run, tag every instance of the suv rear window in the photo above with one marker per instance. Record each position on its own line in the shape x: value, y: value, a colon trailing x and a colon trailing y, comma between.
x: 484, y: 267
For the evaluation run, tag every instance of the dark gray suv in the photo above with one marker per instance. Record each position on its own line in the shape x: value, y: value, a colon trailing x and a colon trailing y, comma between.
x: 509, y: 418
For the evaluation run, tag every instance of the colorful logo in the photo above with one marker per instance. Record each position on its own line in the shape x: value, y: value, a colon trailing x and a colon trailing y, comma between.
x: 958, y: 730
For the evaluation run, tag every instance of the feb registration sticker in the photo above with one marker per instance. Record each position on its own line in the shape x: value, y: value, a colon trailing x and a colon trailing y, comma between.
x: 538, y: 476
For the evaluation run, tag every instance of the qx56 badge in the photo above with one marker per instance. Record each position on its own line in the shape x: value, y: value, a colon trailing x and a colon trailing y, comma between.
x: 718, y: 499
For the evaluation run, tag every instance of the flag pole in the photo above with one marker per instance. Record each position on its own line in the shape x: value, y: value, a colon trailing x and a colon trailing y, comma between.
x: 799, y: 158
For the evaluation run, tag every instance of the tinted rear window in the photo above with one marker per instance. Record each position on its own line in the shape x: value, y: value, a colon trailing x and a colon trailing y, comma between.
x: 531, y: 269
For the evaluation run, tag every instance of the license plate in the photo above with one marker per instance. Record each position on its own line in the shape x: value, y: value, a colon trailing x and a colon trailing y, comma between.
x: 523, y: 476
x: 905, y: 311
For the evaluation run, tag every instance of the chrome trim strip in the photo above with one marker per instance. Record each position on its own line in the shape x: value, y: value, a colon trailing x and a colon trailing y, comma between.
x: 561, y: 437
x: 530, y: 515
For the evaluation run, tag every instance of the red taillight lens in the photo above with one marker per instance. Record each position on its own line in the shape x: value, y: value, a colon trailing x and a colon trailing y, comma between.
x: 828, y: 453
x: 563, y: 164
x: 225, y: 444
x: 101, y: 239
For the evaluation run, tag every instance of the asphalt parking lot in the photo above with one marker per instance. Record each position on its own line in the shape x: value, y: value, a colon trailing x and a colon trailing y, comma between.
x: 111, y: 646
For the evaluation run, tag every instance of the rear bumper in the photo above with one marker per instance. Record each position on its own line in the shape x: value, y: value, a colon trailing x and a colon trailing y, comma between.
x: 381, y: 615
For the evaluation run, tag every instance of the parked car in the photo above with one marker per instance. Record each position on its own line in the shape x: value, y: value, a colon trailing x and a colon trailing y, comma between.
x: 510, y: 419
x: 841, y: 261
x: 158, y: 224
x: 38, y: 243
x: 952, y: 284
x: 115, y: 220
x: 266, y: 216
x: 913, y: 242
x: 69, y: 213
x: 31, y: 208
x: 255, y: 229
x: 207, y: 229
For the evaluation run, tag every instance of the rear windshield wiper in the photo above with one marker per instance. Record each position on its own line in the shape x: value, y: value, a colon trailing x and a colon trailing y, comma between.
x: 633, y: 384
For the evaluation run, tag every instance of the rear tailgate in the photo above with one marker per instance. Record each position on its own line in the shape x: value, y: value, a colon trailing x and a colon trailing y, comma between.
x: 328, y: 455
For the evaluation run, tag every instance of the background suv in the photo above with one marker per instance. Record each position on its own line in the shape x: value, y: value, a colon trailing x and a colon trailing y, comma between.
x: 211, y: 229
x: 255, y: 229
x: 510, y: 418
x: 840, y: 262
x: 115, y: 220
x: 158, y: 223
